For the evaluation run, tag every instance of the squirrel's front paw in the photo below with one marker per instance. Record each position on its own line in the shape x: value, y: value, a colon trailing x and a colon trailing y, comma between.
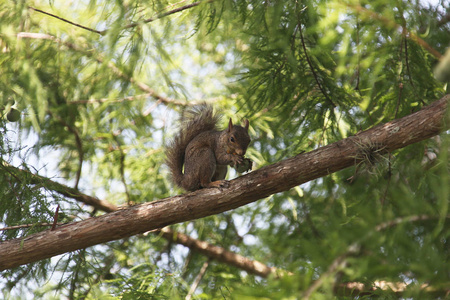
x: 244, y: 166
x: 236, y: 160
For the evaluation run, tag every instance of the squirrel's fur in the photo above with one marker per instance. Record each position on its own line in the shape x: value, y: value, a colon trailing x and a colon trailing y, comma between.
x: 203, y: 151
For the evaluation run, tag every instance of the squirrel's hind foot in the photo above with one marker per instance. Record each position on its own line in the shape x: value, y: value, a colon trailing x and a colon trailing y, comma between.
x: 219, y: 184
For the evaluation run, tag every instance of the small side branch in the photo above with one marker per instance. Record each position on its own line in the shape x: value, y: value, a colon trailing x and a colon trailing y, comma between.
x: 79, y: 145
x: 220, y: 254
x: 197, y: 280
x: 311, y: 66
x: 168, y: 13
x: 122, y: 168
x: 132, y: 25
x: 66, y: 21
x: 23, y: 226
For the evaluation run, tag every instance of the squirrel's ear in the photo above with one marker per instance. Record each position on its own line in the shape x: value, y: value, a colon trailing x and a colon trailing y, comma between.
x: 230, y: 125
x: 246, y: 123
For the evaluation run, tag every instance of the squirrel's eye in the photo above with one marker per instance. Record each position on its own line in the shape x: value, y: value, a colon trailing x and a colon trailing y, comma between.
x: 232, y: 139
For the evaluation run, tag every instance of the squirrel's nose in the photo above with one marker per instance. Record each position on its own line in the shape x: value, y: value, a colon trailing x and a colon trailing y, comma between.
x: 240, y: 151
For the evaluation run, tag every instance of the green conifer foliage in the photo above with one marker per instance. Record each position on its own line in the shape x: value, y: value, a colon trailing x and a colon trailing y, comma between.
x: 90, y: 94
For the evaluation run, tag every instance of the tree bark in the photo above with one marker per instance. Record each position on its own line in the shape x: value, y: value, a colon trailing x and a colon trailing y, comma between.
x: 258, y: 184
x: 211, y: 251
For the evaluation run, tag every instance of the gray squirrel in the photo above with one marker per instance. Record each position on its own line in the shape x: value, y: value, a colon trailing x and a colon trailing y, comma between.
x: 205, y: 152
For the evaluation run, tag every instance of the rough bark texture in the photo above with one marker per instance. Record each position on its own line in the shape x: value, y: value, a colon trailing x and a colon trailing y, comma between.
x: 243, y: 190
x: 214, y: 252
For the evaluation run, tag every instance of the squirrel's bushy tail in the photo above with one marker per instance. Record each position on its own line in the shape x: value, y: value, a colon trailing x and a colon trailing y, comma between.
x: 193, y: 122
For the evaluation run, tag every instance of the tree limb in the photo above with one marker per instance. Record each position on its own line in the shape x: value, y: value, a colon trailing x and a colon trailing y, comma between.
x: 60, y: 188
x: 256, y: 185
x: 211, y: 251
x: 220, y: 254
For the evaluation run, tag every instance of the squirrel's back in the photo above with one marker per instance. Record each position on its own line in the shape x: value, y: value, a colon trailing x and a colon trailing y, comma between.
x: 194, y: 121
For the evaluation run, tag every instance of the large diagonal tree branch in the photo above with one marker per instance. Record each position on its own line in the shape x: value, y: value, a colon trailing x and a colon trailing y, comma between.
x: 218, y: 253
x: 214, y: 252
x: 259, y: 184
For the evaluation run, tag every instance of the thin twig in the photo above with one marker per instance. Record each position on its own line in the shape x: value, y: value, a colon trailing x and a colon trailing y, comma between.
x: 383, y: 199
x: 79, y: 145
x: 406, y: 219
x: 60, y: 188
x: 79, y: 260
x: 337, y: 264
x: 316, y: 78
x: 28, y: 226
x: 132, y: 25
x: 410, y: 77
x: 103, y: 100
x: 67, y: 21
x: 358, y: 55
x: 40, y: 36
x: 391, y: 23
x: 122, y: 168
x: 197, y: 280
x: 162, y: 15
x: 400, y: 84
x: 55, y: 218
